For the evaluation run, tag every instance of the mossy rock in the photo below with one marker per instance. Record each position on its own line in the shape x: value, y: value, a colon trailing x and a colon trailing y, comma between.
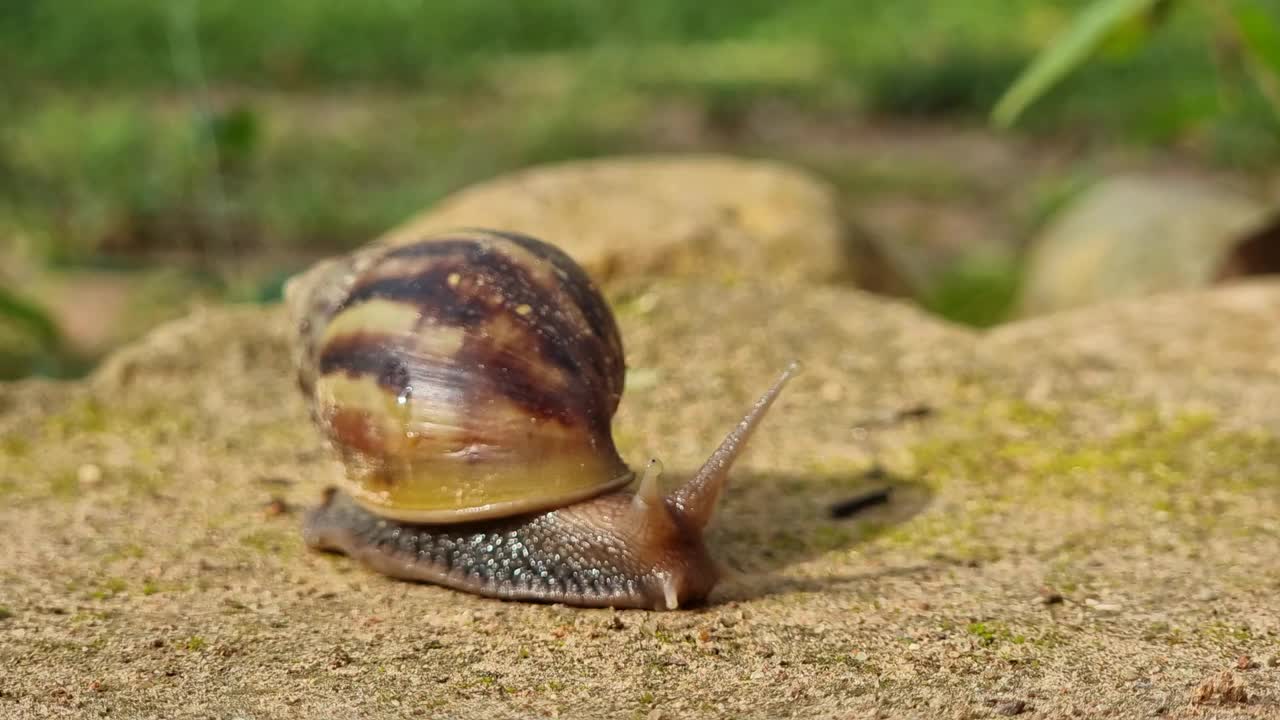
x: 1081, y: 520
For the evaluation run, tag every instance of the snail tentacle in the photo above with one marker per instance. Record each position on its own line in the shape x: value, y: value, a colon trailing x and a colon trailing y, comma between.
x: 695, y: 501
x: 649, y: 492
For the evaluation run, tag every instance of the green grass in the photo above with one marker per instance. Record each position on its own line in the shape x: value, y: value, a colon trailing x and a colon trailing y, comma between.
x: 322, y: 43
x: 30, y: 342
x: 221, y: 125
x: 196, y: 132
x: 316, y: 124
x: 979, y: 292
x: 295, y: 43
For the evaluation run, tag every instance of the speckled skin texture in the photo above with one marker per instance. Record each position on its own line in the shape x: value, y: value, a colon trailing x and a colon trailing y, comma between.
x: 588, y: 554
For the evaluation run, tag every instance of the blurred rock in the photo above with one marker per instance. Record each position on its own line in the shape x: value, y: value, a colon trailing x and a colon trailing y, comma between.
x: 99, y: 310
x: 669, y: 215
x: 1136, y: 235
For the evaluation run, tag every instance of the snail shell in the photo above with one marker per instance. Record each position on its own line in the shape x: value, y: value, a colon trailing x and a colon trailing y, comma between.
x: 468, y: 382
x: 467, y: 377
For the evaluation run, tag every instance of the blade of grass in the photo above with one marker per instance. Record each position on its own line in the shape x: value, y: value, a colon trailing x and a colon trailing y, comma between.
x: 31, y: 319
x: 1259, y: 32
x: 1090, y: 27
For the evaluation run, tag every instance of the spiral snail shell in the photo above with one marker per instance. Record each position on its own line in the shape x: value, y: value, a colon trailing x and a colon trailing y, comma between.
x: 468, y: 382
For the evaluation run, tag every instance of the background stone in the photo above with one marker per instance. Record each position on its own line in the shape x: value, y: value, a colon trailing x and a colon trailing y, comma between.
x: 1134, y: 235
x: 680, y: 215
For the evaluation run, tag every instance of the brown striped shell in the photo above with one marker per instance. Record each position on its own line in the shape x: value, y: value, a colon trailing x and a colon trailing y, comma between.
x: 462, y: 376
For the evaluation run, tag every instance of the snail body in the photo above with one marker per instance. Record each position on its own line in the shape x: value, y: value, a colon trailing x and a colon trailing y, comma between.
x: 468, y: 383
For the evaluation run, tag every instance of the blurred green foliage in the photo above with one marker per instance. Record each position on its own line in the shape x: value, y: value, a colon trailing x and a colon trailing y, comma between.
x: 1246, y: 32
x: 201, y: 133
x: 30, y: 342
x: 320, y: 43
x: 978, y: 291
x: 220, y: 125
x: 34, y: 323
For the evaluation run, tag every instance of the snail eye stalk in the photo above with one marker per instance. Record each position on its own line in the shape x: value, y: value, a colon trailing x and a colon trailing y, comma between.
x: 696, y: 500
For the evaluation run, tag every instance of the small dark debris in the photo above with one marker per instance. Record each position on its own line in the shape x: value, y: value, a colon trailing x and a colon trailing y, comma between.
x: 1244, y: 662
x: 277, y: 507
x: 853, y: 505
x: 1049, y: 596
x: 1009, y: 708
x: 339, y: 658
x: 916, y: 412
x: 59, y: 693
x: 919, y: 411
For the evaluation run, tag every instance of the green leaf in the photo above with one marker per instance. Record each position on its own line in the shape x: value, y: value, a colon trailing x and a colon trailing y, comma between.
x: 30, y: 318
x: 1260, y: 31
x: 1089, y: 29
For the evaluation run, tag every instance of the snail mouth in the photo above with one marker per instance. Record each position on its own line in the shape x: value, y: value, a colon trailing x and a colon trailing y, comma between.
x: 664, y: 554
x: 693, y: 574
x: 689, y: 587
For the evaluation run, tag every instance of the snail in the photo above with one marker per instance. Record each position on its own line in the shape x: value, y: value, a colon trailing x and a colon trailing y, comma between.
x: 468, y: 383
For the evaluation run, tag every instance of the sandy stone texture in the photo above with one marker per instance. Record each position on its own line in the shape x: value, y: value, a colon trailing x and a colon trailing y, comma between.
x: 1083, y: 521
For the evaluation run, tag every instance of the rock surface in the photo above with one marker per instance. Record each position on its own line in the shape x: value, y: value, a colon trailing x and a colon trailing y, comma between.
x: 678, y: 215
x: 1135, y: 235
x: 1082, y: 513
x: 1082, y: 520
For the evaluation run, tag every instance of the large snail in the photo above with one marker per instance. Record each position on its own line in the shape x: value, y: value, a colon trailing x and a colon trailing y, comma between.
x: 468, y: 382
